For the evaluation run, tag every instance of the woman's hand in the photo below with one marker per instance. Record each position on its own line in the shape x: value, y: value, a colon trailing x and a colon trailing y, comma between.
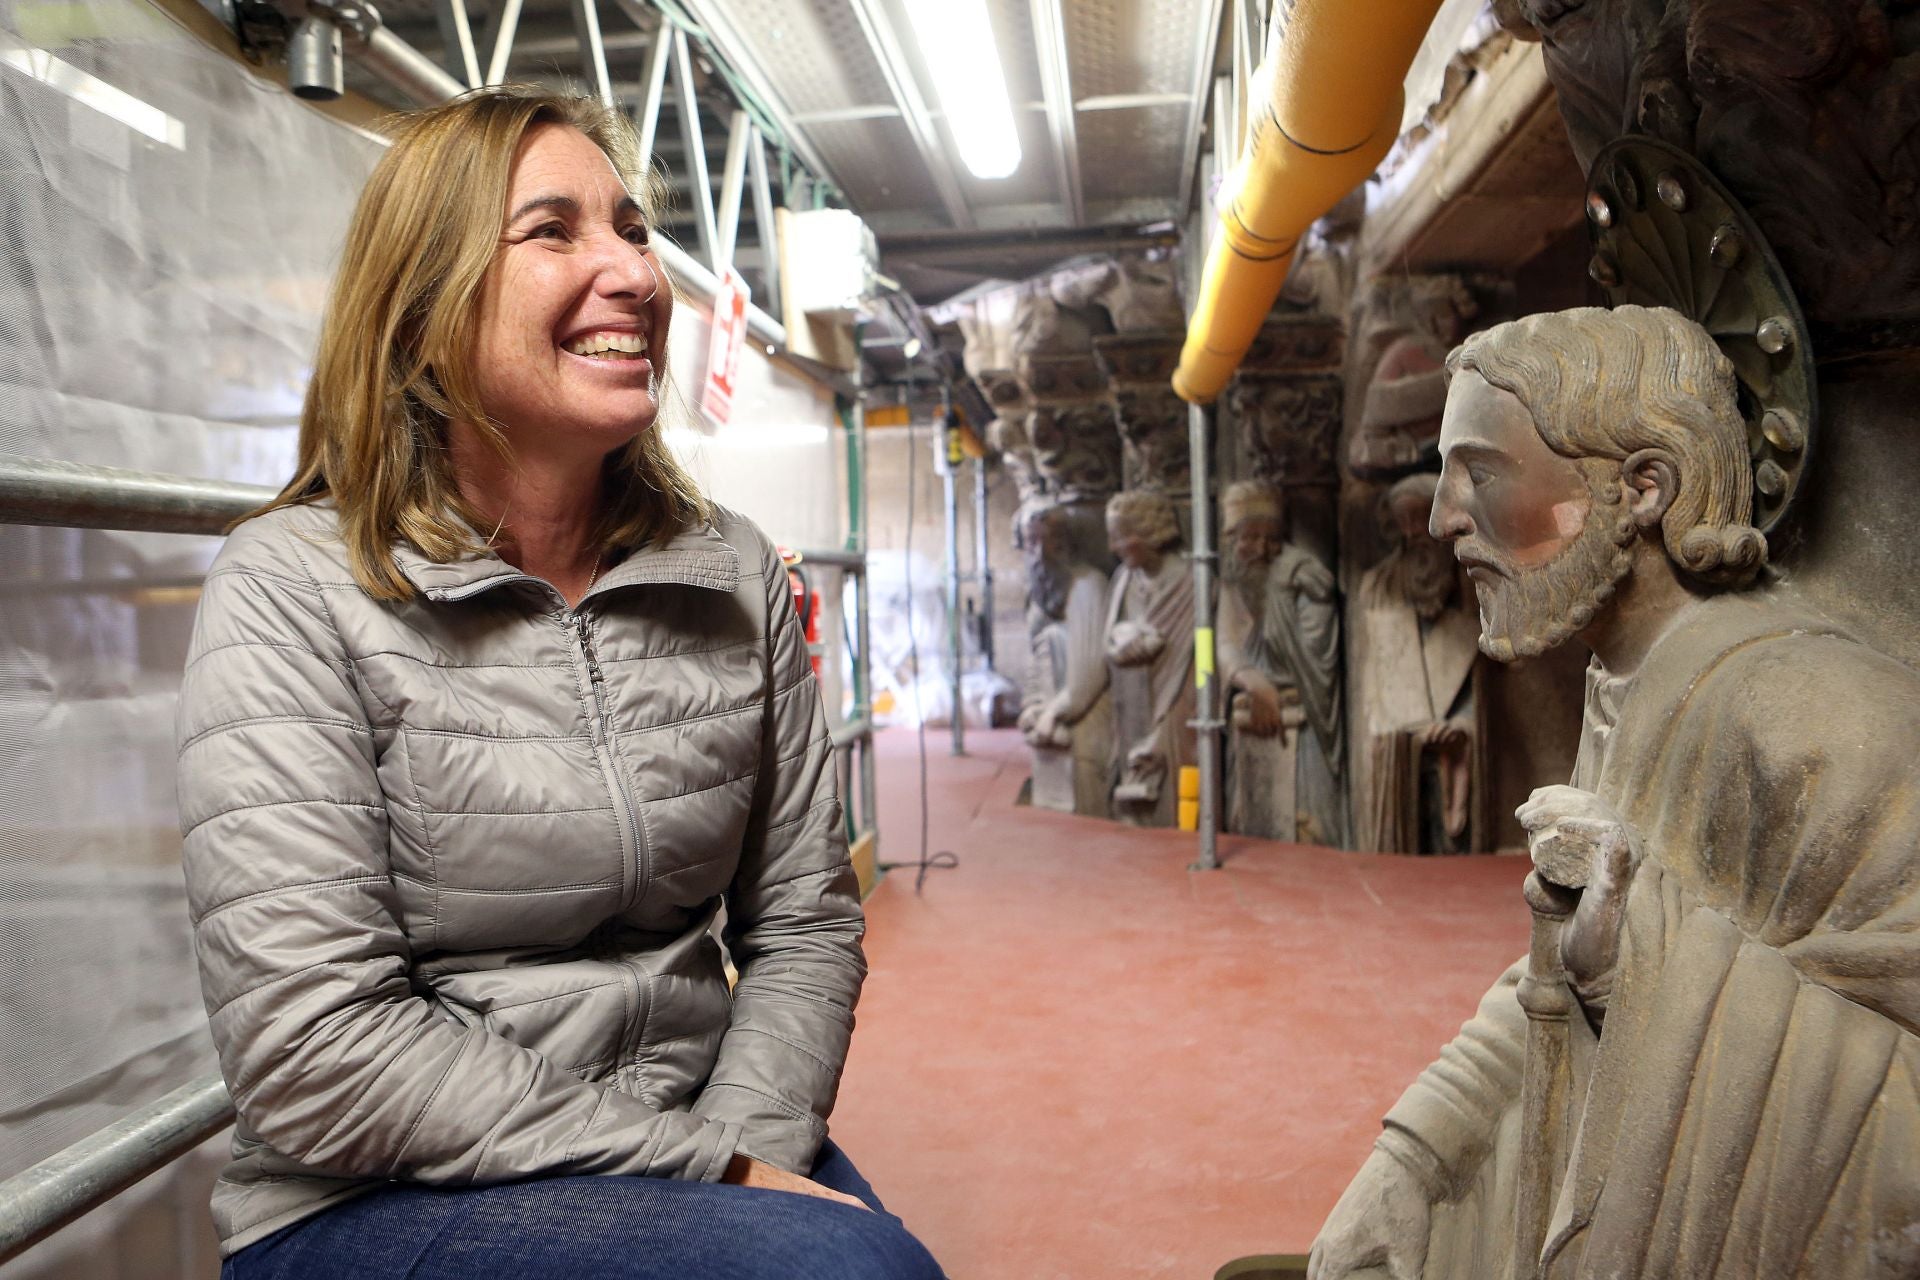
x: 745, y: 1171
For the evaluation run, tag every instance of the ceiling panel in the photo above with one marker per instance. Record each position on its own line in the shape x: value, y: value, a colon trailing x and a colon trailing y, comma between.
x: 1132, y: 152
x: 813, y: 52
x: 877, y: 163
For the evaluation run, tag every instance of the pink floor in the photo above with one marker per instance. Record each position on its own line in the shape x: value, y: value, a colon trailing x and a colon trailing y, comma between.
x: 1077, y: 1059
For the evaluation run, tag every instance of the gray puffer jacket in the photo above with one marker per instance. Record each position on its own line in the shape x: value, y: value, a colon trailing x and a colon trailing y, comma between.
x: 453, y: 864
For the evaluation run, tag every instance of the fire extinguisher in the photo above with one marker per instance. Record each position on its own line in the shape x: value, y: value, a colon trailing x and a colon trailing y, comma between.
x: 806, y: 603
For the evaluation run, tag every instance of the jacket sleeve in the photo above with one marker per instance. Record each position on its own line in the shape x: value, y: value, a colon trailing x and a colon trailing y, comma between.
x: 331, y: 1058
x: 793, y: 921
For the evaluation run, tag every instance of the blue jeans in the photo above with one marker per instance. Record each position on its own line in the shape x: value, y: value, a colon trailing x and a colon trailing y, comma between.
x: 596, y: 1228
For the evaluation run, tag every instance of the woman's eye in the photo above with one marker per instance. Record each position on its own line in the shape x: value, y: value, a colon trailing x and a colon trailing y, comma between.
x: 549, y: 231
x: 637, y: 236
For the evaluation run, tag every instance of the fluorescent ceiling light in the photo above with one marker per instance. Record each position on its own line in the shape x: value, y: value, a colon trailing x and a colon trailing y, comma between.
x: 91, y: 91
x: 956, y: 44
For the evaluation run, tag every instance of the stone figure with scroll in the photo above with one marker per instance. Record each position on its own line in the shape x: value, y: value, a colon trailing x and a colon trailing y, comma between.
x: 1415, y: 667
x: 1066, y: 715
x: 1709, y: 1065
x: 1280, y: 656
x: 1150, y: 652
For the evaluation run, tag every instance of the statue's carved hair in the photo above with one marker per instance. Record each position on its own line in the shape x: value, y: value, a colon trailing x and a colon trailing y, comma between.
x: 1607, y: 384
x: 1148, y: 513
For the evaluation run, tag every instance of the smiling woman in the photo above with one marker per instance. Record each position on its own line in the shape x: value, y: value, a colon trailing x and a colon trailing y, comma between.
x: 487, y: 717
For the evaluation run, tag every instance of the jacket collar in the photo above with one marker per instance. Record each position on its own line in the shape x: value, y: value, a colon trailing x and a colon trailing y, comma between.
x: 693, y: 558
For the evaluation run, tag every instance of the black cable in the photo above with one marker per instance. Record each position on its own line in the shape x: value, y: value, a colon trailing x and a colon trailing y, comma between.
x: 946, y: 857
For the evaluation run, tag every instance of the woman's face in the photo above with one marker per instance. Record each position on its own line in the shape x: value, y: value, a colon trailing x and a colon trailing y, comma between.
x: 575, y: 308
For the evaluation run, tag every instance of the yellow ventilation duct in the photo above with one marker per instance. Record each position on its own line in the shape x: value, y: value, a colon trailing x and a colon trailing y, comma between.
x: 1333, y: 73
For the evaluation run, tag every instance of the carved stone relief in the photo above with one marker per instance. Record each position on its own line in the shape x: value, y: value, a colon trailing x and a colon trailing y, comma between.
x: 1419, y: 779
x: 1150, y: 655
x: 1066, y: 714
x: 1805, y: 111
x: 1151, y: 419
x: 1279, y: 659
x: 1709, y: 1064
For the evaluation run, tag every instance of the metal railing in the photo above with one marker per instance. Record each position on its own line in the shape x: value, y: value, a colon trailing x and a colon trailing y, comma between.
x: 65, y: 1186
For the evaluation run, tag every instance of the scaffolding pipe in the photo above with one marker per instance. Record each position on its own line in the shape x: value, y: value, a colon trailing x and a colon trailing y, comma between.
x: 985, y: 565
x: 401, y: 65
x: 1333, y: 74
x: 66, y: 1185
x: 948, y: 444
x: 853, y: 416
x: 1207, y: 723
x: 73, y: 495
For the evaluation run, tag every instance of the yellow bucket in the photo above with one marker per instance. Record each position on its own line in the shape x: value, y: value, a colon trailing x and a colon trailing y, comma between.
x: 1189, y: 782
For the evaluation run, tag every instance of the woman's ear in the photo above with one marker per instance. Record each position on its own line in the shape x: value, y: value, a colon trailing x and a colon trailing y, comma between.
x: 1651, y: 483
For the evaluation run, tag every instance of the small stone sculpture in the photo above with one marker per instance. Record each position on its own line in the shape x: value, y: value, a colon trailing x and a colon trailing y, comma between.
x: 1066, y: 715
x: 1414, y: 665
x: 1709, y: 1064
x: 1280, y: 655
x: 1150, y: 649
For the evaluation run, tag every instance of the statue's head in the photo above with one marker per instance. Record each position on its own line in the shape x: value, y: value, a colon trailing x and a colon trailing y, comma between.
x: 1253, y: 527
x: 1141, y: 527
x: 1569, y: 437
x: 1422, y: 567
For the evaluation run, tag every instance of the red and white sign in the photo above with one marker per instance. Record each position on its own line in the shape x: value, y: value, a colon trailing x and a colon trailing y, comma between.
x: 723, y: 348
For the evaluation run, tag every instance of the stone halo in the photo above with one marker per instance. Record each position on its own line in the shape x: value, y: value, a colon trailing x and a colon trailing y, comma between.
x: 1666, y: 234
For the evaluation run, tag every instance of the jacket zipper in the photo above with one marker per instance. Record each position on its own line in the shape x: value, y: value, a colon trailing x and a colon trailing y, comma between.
x: 600, y: 728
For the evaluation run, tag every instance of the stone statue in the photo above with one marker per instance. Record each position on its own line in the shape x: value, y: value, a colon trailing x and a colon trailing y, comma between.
x: 1415, y: 663
x: 1066, y: 715
x: 1409, y: 325
x: 1709, y: 1065
x: 1150, y: 651
x: 1280, y: 656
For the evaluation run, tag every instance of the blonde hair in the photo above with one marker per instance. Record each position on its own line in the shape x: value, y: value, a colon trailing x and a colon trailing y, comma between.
x: 1607, y: 384
x: 394, y: 361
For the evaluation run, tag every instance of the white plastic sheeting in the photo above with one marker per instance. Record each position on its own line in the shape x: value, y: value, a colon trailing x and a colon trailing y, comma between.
x: 167, y: 227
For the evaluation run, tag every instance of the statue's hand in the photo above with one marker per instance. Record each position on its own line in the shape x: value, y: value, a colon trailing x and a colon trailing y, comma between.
x: 1048, y: 731
x: 1579, y: 841
x: 1443, y: 735
x: 1258, y: 709
x: 1381, y: 1223
x: 1134, y: 644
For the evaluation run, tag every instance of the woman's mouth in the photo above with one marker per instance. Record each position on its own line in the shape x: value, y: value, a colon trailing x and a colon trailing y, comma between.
x: 612, y: 346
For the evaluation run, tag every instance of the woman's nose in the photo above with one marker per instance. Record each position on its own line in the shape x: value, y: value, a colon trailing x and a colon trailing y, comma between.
x: 624, y: 269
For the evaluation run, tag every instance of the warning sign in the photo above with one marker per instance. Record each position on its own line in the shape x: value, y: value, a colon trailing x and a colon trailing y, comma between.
x: 723, y: 349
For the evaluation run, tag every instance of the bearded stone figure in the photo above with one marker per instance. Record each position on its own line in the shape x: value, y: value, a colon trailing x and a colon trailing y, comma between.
x: 1066, y: 715
x: 1709, y: 1065
x: 1150, y: 652
x: 1279, y: 654
x: 1414, y: 667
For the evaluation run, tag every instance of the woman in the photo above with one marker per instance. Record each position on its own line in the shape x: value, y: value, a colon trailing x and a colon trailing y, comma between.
x: 486, y: 717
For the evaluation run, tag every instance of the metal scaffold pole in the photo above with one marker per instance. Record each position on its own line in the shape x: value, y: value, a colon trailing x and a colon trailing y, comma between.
x: 855, y: 420
x: 1206, y: 723
x: 982, y: 562
x: 948, y: 444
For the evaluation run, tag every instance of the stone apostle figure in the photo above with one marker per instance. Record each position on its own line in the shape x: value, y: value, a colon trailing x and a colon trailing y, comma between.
x: 1414, y: 662
x: 1066, y: 715
x: 1713, y: 1070
x: 1150, y: 650
x: 1280, y: 655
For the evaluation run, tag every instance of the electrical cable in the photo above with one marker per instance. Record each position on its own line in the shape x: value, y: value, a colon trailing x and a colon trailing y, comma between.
x: 945, y: 858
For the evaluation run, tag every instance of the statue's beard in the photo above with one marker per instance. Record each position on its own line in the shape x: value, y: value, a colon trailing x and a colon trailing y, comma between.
x: 1246, y: 574
x: 1525, y: 612
x: 1426, y: 576
x: 1049, y: 582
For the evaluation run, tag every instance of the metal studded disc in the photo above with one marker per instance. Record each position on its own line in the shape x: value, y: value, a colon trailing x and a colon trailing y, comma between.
x: 1694, y: 249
